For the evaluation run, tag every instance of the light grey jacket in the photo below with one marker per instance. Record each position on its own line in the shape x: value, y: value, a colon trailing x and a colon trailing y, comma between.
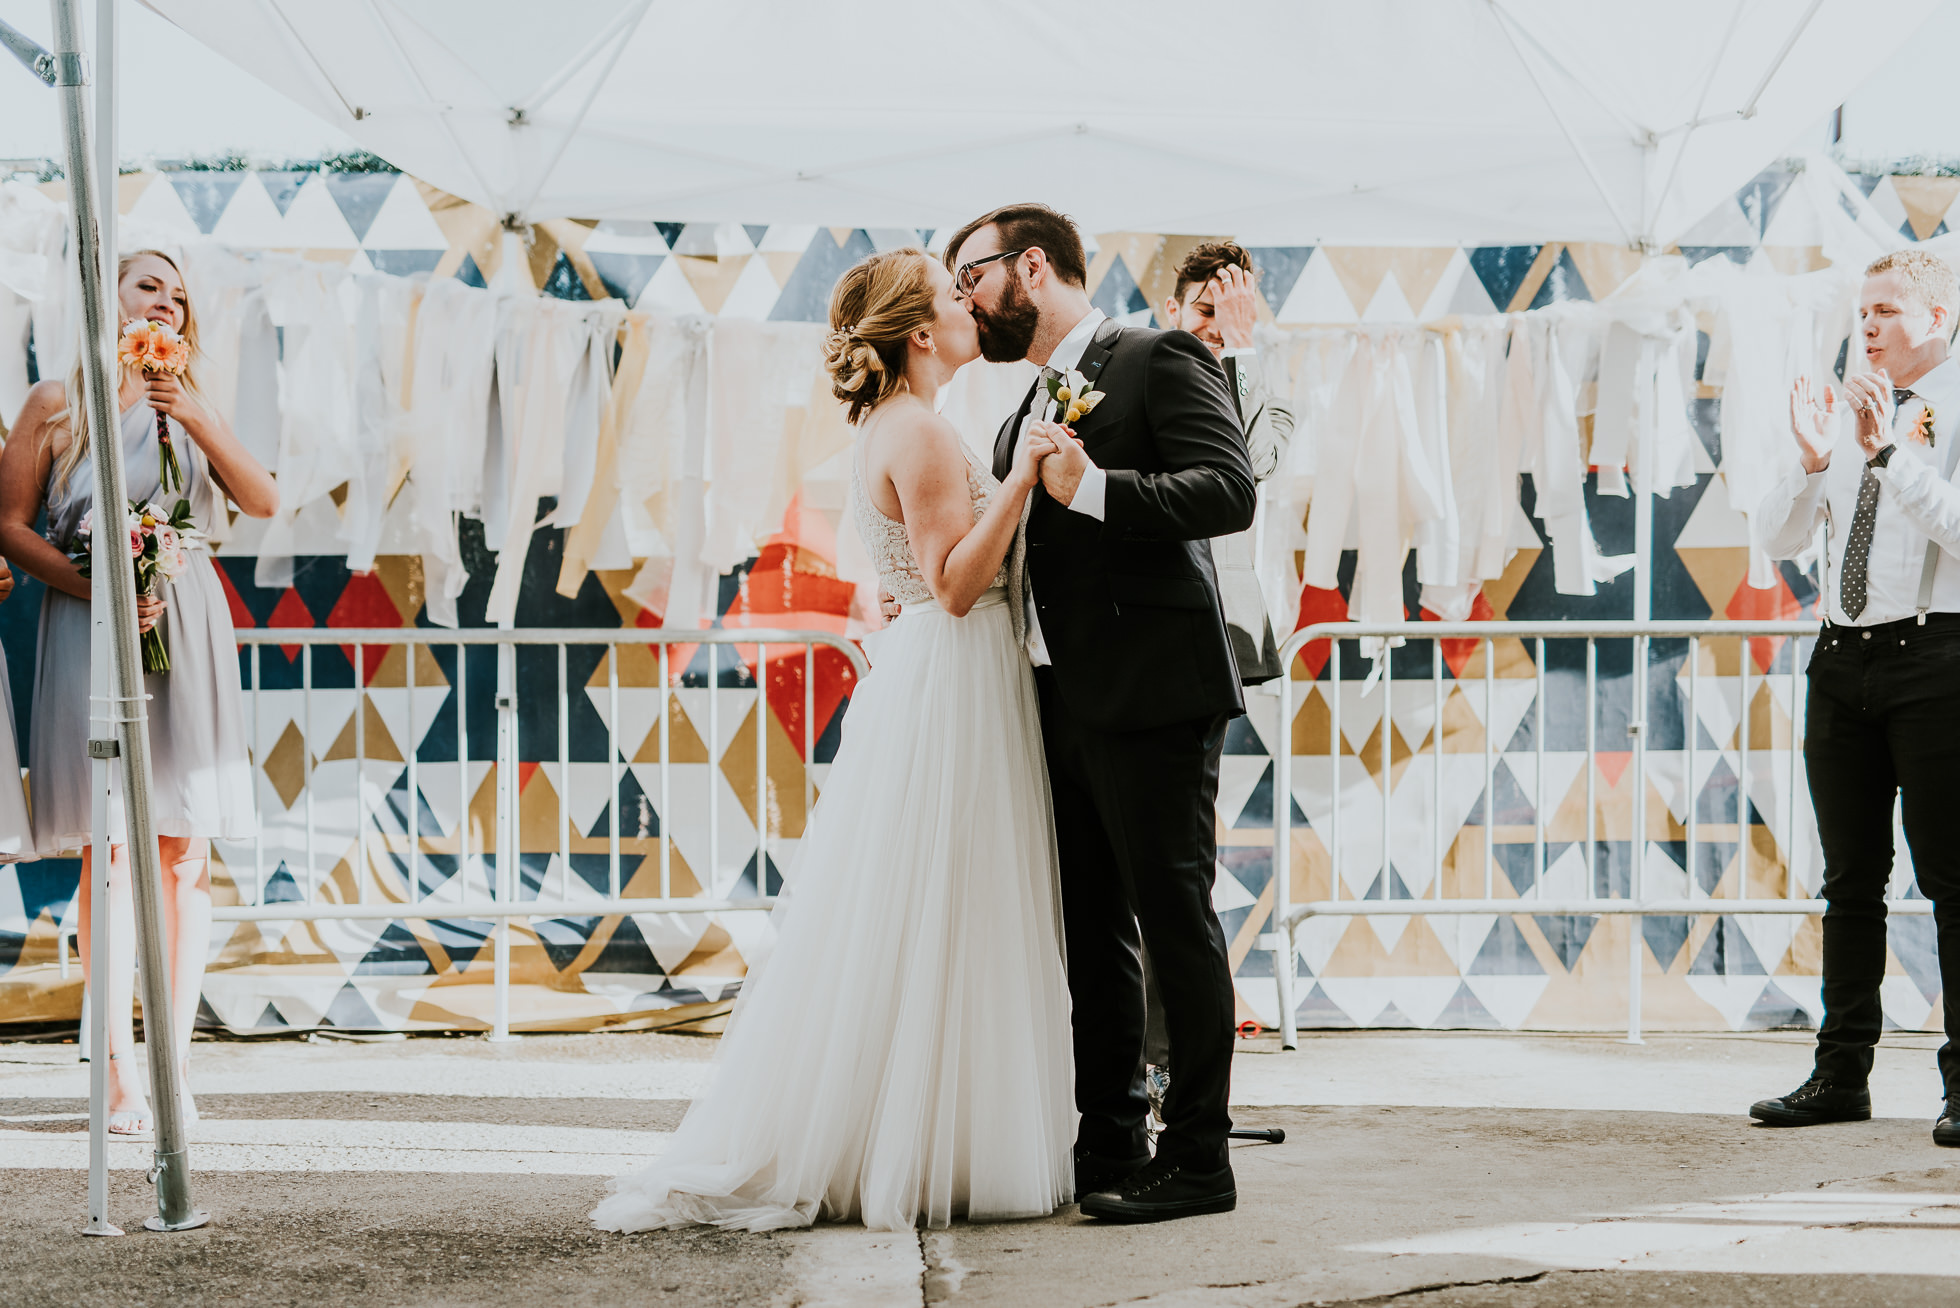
x: 1268, y: 427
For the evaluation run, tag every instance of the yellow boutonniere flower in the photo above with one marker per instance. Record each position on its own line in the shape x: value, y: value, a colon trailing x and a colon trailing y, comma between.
x: 1922, y: 431
x: 1075, y: 398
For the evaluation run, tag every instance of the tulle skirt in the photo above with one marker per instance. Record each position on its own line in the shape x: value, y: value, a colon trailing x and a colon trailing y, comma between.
x: 902, y: 1057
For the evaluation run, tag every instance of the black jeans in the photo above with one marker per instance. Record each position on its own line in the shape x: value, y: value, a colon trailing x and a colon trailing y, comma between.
x: 1137, y: 838
x: 1883, y: 720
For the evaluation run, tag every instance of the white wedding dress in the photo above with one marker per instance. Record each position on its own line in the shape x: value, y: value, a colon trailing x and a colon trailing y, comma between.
x: 902, y: 1057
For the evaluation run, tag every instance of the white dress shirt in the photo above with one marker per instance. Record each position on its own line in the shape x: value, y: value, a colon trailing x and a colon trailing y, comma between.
x: 1915, y: 505
x: 1090, y: 492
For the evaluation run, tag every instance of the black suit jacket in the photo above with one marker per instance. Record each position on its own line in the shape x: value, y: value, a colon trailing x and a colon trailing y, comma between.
x: 1129, y: 606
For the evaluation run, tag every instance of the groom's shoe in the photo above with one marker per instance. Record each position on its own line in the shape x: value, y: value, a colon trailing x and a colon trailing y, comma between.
x: 1163, y: 1191
x: 1094, y: 1172
x: 1815, y: 1101
x: 1946, y: 1131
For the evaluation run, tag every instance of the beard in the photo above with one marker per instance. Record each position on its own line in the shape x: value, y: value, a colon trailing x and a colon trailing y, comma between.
x: 1007, y: 331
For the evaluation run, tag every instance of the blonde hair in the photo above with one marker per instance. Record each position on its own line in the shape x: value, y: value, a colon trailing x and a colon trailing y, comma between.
x: 1928, y: 279
x: 875, y: 307
x: 76, y: 414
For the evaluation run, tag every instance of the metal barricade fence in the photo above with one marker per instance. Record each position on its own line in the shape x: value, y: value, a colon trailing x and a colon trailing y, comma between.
x: 1287, y: 917
x: 500, y: 840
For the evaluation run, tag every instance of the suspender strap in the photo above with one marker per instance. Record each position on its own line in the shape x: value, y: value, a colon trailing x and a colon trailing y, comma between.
x: 1932, y: 563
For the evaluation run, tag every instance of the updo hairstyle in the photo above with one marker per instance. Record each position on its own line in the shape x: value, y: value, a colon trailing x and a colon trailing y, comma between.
x: 875, y: 307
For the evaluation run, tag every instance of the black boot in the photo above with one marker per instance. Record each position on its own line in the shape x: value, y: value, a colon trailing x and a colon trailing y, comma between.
x: 1946, y: 1131
x: 1093, y: 1172
x: 1162, y: 1191
x: 1816, y: 1101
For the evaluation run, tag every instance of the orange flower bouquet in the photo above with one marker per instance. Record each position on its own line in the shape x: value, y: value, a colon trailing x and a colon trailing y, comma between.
x: 154, y: 347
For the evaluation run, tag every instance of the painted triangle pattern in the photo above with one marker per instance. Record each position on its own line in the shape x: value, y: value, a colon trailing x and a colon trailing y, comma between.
x: 380, y: 782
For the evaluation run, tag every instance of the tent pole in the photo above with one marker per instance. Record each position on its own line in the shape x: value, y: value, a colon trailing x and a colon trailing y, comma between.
x: 171, y: 1170
x: 101, y: 776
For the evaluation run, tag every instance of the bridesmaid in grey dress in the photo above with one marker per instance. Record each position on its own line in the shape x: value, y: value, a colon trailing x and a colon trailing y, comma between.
x: 16, y: 833
x: 203, y: 779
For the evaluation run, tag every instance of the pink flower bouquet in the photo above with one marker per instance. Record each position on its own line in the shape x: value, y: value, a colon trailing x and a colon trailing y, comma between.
x: 159, y: 549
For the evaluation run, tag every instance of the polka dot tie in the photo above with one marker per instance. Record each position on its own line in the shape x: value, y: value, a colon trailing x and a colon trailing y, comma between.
x: 1853, y: 575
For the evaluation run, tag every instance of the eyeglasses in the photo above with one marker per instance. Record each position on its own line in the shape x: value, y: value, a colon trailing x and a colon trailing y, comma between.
x: 966, y: 280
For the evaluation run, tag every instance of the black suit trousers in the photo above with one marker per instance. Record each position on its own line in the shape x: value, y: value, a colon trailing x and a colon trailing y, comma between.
x: 1883, y: 720
x: 1137, y: 840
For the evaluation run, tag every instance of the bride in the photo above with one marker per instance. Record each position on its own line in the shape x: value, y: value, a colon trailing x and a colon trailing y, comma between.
x: 903, y: 1056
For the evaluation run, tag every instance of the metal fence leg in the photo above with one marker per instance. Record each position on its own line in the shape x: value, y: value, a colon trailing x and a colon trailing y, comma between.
x: 506, y: 827
x: 95, y: 1008
x: 1279, y: 936
x: 1637, y: 871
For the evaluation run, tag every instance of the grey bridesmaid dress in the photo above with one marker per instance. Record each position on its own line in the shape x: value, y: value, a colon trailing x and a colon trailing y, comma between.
x: 199, y: 758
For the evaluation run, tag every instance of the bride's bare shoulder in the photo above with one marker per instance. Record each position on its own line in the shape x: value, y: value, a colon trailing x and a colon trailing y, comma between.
x: 913, y: 437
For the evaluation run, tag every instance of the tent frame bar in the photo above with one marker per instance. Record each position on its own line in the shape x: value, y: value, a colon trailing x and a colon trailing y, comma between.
x: 1505, y: 24
x: 623, y: 27
x: 286, y: 25
x: 422, y: 86
x: 1701, y: 102
x: 623, y: 31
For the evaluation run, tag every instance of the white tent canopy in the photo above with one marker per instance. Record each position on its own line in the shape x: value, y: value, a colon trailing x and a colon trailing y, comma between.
x: 1281, y: 121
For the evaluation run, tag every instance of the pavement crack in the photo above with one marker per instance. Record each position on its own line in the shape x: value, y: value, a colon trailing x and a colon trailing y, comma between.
x: 1432, y: 1289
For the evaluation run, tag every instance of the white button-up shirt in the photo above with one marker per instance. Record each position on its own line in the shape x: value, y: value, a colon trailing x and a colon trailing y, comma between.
x: 1915, y: 505
x: 1089, y: 493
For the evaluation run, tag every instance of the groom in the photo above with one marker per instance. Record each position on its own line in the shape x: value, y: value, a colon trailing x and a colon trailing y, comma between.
x: 1137, y: 682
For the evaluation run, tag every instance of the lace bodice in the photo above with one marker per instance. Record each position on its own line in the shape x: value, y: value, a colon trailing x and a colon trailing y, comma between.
x: 888, y: 545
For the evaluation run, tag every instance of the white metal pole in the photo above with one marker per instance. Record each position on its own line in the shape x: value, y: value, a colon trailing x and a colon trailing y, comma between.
x: 175, y: 1211
x: 96, y: 1001
x: 1280, y: 933
x: 1643, y: 596
x: 101, y: 724
x: 507, y: 828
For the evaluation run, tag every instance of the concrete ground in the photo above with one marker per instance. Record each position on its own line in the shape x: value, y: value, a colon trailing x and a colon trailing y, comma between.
x: 1424, y: 1169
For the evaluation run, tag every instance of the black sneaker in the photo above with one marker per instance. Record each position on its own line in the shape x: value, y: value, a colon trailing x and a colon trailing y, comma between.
x: 1094, y: 1172
x: 1163, y: 1191
x: 1816, y: 1101
x: 1946, y: 1131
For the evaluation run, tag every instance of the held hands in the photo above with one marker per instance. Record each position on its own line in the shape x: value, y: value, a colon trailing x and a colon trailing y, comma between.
x: 1234, y: 306
x: 1812, y: 424
x: 1049, y: 456
x: 1041, y: 442
x: 1062, y: 468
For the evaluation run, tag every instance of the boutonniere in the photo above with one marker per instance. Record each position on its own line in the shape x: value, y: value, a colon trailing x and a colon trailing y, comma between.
x: 1075, y: 398
x: 1922, y: 431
